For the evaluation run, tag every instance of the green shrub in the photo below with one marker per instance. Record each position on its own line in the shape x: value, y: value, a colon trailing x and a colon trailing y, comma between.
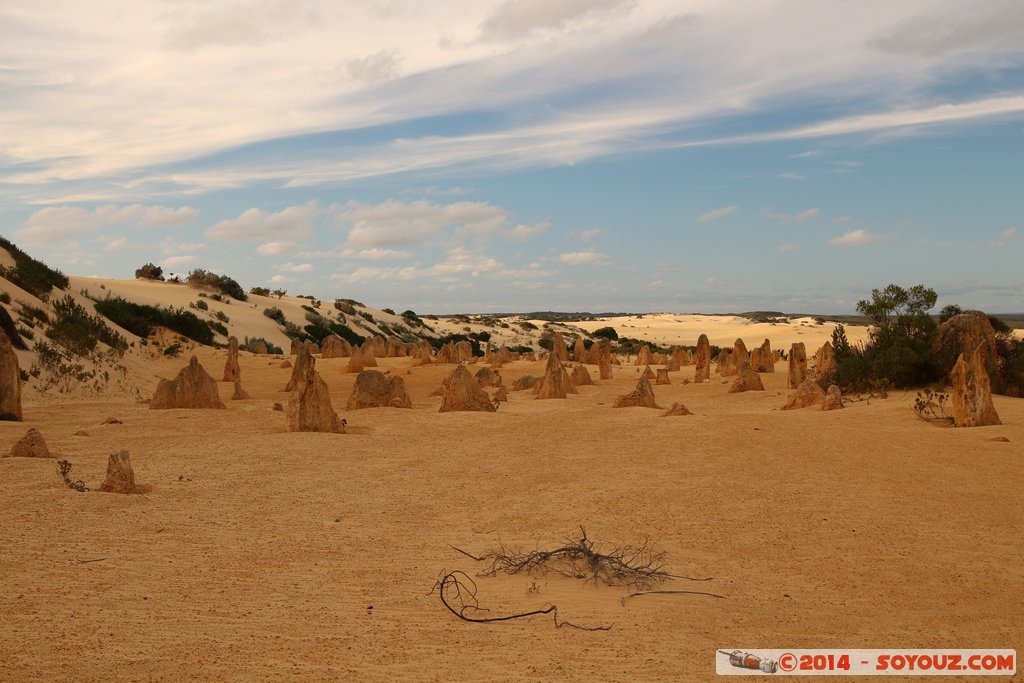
x: 149, y: 272
x: 606, y: 333
x: 948, y: 312
x: 898, y: 352
x: 250, y: 345
x: 5, y: 298
x: 222, y: 283
x: 221, y: 316
x: 35, y: 277
x: 345, y: 306
x: 141, y: 319
x: 173, y: 350
x: 388, y: 311
x: 259, y: 291
x: 218, y: 327
x: 275, y: 314
x: 30, y: 315
x: 78, y: 332
x: 201, y: 305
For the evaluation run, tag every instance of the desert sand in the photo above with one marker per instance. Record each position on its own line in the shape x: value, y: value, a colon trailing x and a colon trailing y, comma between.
x: 257, y: 554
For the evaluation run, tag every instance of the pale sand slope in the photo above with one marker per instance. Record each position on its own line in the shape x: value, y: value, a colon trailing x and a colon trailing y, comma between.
x: 257, y: 552
x: 722, y: 330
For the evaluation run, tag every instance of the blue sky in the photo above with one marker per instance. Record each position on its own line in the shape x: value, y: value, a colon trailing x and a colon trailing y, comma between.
x: 515, y: 155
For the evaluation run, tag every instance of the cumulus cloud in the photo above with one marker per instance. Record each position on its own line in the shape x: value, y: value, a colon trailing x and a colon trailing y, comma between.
x: 855, y: 238
x: 116, y: 244
x: 276, y: 248
x: 256, y: 224
x: 580, y: 258
x: 378, y: 254
x: 61, y: 222
x: 802, y: 217
x: 523, y: 231
x: 586, y: 235
x: 295, y: 267
x: 177, y: 261
x: 715, y: 214
x: 394, y: 224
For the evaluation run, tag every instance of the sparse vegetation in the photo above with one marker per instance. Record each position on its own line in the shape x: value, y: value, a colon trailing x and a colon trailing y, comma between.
x: 64, y: 470
x: 250, y: 344
x: 259, y: 291
x: 35, y: 277
x: 930, y: 406
x: 221, y: 283
x: 606, y: 333
x: 173, y: 350
x: 898, y: 352
x: 149, y: 272
x: 275, y: 314
x: 79, y: 332
x: 142, y: 319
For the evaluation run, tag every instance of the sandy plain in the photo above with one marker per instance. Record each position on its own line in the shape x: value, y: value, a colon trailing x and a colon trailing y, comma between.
x: 264, y: 555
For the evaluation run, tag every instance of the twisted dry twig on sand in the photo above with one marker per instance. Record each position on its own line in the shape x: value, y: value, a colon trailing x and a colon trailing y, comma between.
x: 458, y: 593
x: 578, y: 558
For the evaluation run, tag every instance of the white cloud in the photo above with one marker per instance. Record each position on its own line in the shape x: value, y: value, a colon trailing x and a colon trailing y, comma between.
x: 855, y: 238
x: 393, y: 223
x: 523, y: 231
x: 157, y: 216
x: 60, y: 222
x: 1010, y: 234
x: 378, y: 254
x: 116, y: 244
x: 579, y: 258
x: 177, y: 261
x: 802, y: 217
x: 586, y: 235
x: 514, y: 19
x: 375, y: 68
x: 788, y: 247
x: 278, y: 279
x: 295, y: 267
x: 716, y: 214
x: 842, y: 219
x: 276, y: 248
x: 256, y: 224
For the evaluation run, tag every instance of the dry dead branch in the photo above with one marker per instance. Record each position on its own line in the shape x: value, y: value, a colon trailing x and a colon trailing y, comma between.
x: 458, y: 593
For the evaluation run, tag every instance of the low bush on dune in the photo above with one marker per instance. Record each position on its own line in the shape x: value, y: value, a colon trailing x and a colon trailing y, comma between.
x: 141, y: 319
x: 149, y: 272
x: 221, y: 283
x: 250, y: 343
x: 78, y: 331
x: 275, y: 314
x: 35, y: 277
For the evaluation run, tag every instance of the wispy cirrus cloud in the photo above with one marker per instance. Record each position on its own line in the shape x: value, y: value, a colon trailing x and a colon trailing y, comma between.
x: 800, y: 217
x: 716, y: 214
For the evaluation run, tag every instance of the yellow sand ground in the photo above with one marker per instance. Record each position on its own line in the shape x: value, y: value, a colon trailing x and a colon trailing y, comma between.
x: 258, y: 554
